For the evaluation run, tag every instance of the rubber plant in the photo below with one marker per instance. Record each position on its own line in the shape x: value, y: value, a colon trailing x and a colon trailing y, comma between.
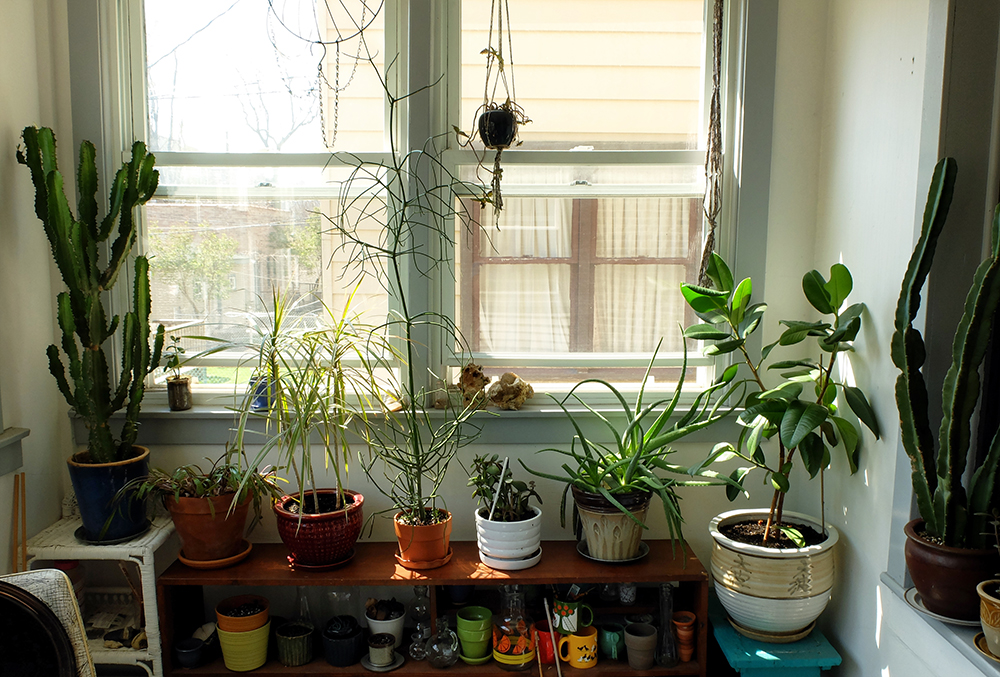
x: 954, y: 512
x: 80, y: 363
x: 801, y: 422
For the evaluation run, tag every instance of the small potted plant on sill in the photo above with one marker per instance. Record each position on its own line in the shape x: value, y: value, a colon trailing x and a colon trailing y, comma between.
x: 508, y: 530
x: 178, y: 384
x: 989, y: 596
x: 772, y: 594
x: 210, y: 509
x: 947, y: 552
x: 613, y: 484
x: 89, y: 386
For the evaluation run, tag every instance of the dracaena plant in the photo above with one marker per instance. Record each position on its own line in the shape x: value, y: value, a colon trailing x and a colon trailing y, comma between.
x: 791, y: 407
x: 953, y: 503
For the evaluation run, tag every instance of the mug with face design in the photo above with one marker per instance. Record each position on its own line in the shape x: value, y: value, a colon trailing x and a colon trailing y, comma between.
x: 569, y: 617
x: 580, y: 648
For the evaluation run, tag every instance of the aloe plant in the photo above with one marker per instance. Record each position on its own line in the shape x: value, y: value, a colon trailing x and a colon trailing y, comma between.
x: 784, y: 413
x: 76, y: 243
x: 952, y: 512
x: 639, y: 459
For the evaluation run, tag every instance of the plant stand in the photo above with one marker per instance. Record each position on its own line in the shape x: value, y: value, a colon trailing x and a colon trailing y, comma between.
x: 58, y: 542
x: 752, y: 658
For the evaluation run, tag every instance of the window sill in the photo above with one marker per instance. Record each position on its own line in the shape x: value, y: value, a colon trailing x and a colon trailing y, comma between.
x: 541, y: 423
x: 960, y: 637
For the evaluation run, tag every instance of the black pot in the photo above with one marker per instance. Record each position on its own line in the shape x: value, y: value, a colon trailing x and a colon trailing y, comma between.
x: 497, y: 128
x: 106, y: 516
x: 344, y: 650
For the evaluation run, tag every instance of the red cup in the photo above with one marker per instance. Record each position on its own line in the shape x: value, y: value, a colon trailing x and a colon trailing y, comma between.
x: 546, y: 651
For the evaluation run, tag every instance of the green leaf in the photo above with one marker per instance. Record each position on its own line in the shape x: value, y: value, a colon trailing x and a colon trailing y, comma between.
x: 789, y: 390
x: 737, y: 476
x: 741, y: 299
x: 840, y: 285
x: 799, y: 420
x: 779, y: 482
x: 724, y: 347
x: 729, y: 374
x: 705, y: 332
x: 849, y: 436
x: 707, y: 304
x: 814, y: 287
x: 788, y: 364
x: 812, y: 449
x: 858, y: 403
x: 795, y: 536
x: 718, y: 272
x: 751, y: 320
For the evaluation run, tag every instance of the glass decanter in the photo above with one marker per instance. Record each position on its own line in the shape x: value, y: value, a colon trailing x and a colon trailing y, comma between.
x: 442, y: 648
x: 420, y: 612
x: 514, y: 631
x: 666, y: 650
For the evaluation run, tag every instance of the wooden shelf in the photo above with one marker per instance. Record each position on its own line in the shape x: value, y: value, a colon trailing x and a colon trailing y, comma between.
x: 375, y: 564
x: 180, y: 598
x: 411, y: 668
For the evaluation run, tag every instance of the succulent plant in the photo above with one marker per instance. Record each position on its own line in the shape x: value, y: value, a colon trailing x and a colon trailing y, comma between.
x: 76, y: 243
x: 953, y: 511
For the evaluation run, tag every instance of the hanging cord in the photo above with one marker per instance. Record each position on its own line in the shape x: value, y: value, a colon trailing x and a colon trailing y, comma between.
x: 712, y: 203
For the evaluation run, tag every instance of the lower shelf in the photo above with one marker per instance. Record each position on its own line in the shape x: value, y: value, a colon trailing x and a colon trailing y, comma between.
x: 413, y: 668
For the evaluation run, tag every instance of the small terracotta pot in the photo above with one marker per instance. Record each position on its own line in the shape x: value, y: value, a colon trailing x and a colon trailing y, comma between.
x: 241, y: 623
x: 419, y: 544
x: 945, y: 577
x: 179, y: 393
x: 205, y: 527
x: 683, y: 622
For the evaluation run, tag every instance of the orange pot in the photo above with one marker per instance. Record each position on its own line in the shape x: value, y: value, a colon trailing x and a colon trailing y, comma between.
x: 206, y: 529
x: 241, y: 623
x: 421, y: 545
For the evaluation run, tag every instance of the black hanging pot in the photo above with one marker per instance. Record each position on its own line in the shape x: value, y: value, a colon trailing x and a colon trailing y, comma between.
x: 497, y: 128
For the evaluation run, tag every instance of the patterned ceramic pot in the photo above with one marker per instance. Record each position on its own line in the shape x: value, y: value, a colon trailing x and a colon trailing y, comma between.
x: 610, y: 533
x: 776, y: 591
x: 324, y: 538
x: 989, y: 613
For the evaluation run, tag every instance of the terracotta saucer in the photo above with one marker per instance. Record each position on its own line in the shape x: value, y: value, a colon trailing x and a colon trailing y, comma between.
x: 218, y: 563
x: 432, y: 564
x: 299, y: 566
x: 980, y: 641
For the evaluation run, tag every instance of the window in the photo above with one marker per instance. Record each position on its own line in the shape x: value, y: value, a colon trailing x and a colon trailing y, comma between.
x: 243, y: 106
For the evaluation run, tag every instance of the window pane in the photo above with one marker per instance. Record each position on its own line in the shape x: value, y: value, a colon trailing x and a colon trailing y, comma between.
x: 524, y: 308
x: 263, y: 76
x: 608, y: 74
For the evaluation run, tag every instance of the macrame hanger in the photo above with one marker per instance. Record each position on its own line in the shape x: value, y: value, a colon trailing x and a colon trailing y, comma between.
x: 712, y: 203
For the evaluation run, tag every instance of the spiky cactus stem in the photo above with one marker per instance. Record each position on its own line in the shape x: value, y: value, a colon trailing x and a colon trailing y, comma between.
x: 76, y: 244
x: 950, y: 513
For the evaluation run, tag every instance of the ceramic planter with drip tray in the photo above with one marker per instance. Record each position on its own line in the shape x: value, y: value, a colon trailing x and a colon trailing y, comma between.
x: 324, y: 539
x: 424, y: 546
x: 509, y: 546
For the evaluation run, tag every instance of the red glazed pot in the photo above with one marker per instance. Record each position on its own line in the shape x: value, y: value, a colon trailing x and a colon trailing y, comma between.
x: 326, y: 538
x: 206, y: 529
x: 946, y: 578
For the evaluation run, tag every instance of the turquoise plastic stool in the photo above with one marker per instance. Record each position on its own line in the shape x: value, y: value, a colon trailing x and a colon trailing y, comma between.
x: 753, y: 658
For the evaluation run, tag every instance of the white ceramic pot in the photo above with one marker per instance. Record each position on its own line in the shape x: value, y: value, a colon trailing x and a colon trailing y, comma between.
x: 771, y: 590
x: 989, y: 615
x: 506, y: 545
x: 392, y: 627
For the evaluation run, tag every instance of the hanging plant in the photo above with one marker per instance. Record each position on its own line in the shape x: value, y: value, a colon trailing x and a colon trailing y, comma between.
x: 497, y: 123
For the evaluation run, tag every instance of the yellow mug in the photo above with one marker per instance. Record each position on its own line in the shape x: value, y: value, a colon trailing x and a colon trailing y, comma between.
x: 580, y: 648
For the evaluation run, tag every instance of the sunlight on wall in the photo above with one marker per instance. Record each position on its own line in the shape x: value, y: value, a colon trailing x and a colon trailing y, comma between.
x: 878, y: 617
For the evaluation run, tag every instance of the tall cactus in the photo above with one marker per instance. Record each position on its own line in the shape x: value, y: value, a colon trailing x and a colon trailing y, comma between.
x: 76, y: 247
x: 950, y: 513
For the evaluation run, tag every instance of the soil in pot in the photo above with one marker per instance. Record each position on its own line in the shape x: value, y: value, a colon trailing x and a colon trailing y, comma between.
x: 328, y: 502
x: 384, y: 609
x: 431, y: 516
x: 751, y: 532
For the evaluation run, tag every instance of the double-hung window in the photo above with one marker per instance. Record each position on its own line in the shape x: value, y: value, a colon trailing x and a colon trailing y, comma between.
x: 245, y: 104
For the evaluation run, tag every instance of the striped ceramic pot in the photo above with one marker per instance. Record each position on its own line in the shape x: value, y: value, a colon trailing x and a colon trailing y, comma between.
x: 772, y: 591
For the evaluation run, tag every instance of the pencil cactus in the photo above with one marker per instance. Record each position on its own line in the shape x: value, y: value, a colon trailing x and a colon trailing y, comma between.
x: 76, y: 243
x: 950, y: 512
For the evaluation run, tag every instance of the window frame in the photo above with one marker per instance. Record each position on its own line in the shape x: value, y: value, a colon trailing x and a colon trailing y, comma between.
x: 105, y: 38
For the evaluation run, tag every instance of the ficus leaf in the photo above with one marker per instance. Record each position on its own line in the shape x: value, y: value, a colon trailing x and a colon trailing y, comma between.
x: 799, y: 420
x: 840, y: 285
x: 814, y: 287
x: 858, y: 403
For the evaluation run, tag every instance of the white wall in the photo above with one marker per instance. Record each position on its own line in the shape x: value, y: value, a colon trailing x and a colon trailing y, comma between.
x: 849, y: 109
x: 33, y: 90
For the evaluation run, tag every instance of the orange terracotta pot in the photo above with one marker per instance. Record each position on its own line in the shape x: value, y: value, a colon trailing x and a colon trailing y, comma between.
x: 424, y: 544
x: 206, y: 528
x: 241, y: 623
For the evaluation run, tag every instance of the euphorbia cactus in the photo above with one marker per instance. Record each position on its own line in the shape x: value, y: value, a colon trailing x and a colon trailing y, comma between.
x: 76, y: 246
x: 955, y: 516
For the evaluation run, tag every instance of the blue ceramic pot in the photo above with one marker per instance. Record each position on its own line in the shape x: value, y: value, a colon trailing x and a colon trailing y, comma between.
x: 106, y: 516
